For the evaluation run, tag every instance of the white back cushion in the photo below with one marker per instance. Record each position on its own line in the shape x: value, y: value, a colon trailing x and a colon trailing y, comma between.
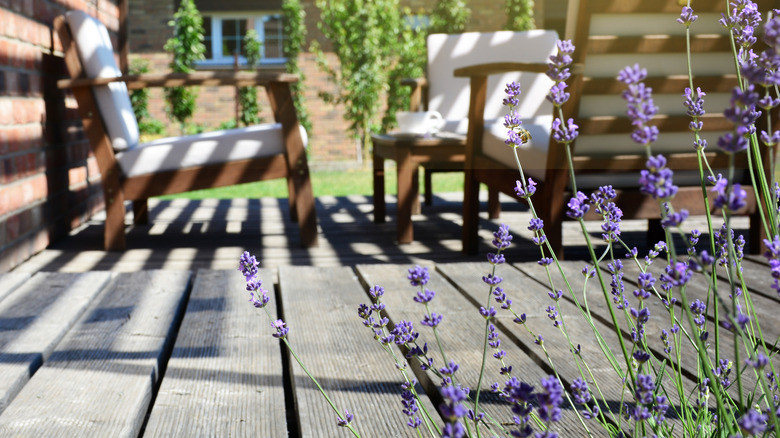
x: 97, y: 56
x: 450, y: 95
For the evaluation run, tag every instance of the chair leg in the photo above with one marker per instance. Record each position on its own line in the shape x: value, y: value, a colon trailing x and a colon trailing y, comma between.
x: 380, y: 207
x: 428, y: 188
x: 655, y: 232
x: 291, y: 198
x: 141, y: 211
x: 302, y: 206
x: 551, y: 213
x: 757, y: 233
x: 114, y: 234
x: 494, y: 207
x: 470, y: 229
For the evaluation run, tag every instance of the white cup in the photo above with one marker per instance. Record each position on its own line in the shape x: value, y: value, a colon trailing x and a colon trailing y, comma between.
x: 419, y: 122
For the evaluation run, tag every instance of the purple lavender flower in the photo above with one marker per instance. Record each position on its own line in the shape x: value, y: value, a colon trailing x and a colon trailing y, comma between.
x: 677, y: 274
x: 644, y: 387
x: 527, y: 191
x: 772, y: 254
x: 752, y: 423
x: 564, y: 134
x: 495, y: 259
x: 248, y: 264
x: 431, y: 320
x: 410, y: 409
x: 694, y: 102
x: 580, y: 391
x: 501, y: 238
x: 616, y: 284
x: 535, y: 224
x: 760, y: 361
x: 698, y: 308
x: 559, y: 63
x: 665, y: 340
x: 424, y: 296
x: 512, y: 92
x: 578, y: 206
x: 453, y: 408
x: 491, y: 279
x: 558, y: 95
x: 734, y: 200
x: 281, y: 330
x: 550, y: 399
x: 487, y: 313
x: 418, y: 276
x: 404, y: 333
x: 742, y: 20
x: 344, y: 420
x: 687, y: 17
x: 743, y: 113
x: 376, y: 292
x: 259, y: 301
x: 656, y: 180
x: 640, y: 104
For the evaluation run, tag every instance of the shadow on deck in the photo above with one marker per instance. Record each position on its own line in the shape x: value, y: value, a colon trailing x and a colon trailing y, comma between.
x: 211, y: 234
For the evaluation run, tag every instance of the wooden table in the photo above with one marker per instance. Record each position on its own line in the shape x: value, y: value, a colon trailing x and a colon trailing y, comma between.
x: 178, y: 353
x: 409, y: 152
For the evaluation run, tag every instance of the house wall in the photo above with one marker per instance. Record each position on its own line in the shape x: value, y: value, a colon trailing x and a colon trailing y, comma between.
x: 329, y: 140
x: 47, y: 177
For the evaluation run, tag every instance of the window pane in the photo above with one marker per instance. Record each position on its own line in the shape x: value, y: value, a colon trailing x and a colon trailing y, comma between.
x: 231, y: 37
x: 274, y: 32
x: 207, y: 36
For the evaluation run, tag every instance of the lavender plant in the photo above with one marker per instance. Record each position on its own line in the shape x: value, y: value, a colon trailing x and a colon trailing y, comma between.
x: 735, y: 392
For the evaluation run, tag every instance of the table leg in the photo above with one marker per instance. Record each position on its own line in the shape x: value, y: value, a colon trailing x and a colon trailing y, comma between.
x: 406, y: 173
x: 380, y: 209
x: 416, y: 208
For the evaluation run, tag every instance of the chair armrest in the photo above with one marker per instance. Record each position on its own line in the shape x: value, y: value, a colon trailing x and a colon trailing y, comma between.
x: 506, y: 67
x: 207, y: 78
x: 415, y: 82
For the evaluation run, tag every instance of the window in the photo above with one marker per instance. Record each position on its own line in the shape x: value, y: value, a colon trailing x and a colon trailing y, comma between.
x: 224, y: 36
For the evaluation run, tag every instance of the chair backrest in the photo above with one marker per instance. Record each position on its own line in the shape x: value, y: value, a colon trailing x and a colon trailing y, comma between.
x: 612, y: 34
x: 450, y: 95
x: 96, y: 52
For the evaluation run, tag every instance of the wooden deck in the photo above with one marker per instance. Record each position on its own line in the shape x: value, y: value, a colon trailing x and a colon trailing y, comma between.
x: 161, y: 341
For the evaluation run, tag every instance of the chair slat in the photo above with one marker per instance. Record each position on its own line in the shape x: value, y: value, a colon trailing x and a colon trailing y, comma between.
x: 610, y: 44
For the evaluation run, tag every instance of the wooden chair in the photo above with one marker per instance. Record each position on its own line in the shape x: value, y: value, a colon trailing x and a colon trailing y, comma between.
x: 135, y: 172
x: 609, y: 35
x: 449, y: 95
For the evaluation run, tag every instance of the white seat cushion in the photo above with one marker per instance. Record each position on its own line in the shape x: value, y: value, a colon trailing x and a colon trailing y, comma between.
x: 208, y: 148
x: 97, y: 56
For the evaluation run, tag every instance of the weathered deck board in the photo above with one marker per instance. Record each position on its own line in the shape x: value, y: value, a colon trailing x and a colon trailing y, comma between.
x: 320, y: 308
x: 99, y: 380
x: 224, y: 377
x: 462, y: 332
x: 10, y: 281
x: 34, y: 318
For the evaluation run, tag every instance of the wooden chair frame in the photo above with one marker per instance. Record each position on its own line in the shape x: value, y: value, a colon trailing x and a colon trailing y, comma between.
x: 553, y: 191
x: 291, y: 165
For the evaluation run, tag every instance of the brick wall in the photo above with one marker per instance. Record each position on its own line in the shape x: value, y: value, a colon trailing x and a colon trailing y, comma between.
x: 47, y: 176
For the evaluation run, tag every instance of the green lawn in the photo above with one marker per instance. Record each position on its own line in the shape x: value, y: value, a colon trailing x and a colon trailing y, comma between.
x: 324, y: 183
